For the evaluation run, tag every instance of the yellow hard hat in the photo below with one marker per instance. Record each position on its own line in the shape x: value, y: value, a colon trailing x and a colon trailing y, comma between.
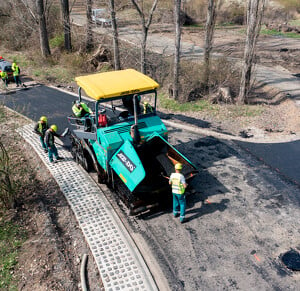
x: 43, y: 118
x: 54, y: 127
x: 178, y: 166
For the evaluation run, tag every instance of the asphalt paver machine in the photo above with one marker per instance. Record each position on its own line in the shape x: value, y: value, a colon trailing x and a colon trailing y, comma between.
x: 124, y: 140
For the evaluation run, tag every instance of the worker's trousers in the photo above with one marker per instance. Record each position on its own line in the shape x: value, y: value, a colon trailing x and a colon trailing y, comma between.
x: 5, y: 81
x: 17, y: 80
x: 43, y: 142
x: 179, y: 205
x: 52, y: 151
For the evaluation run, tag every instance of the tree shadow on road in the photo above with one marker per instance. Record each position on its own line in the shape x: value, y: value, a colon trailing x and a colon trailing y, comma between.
x: 183, y: 119
x: 187, y: 119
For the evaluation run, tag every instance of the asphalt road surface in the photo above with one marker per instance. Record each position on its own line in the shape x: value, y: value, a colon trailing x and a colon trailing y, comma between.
x: 242, y: 217
x: 283, y: 157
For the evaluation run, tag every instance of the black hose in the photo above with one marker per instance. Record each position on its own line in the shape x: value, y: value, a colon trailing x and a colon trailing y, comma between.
x: 82, y: 273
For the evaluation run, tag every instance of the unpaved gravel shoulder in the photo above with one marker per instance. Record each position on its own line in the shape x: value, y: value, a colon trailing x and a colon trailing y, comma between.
x: 271, y: 123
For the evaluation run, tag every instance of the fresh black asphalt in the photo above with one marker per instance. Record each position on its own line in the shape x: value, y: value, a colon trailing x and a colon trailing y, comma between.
x: 282, y: 157
x: 41, y: 100
x: 56, y: 105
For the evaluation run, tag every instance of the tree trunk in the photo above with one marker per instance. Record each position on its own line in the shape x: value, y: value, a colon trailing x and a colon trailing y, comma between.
x: 66, y: 24
x: 89, y: 32
x: 145, y: 29
x: 177, y: 5
x: 209, y: 33
x: 143, y: 50
x: 115, y: 35
x: 255, y: 10
x: 44, y: 41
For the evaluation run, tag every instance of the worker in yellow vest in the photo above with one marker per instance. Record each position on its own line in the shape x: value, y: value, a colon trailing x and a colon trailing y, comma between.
x: 49, y: 141
x: 40, y: 128
x: 178, y: 183
x: 4, y: 78
x: 80, y: 109
x: 16, y: 74
x: 147, y: 108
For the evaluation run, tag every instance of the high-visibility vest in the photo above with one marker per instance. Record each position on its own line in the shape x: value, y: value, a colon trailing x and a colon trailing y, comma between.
x: 16, y: 70
x: 78, y: 112
x: 177, y: 186
x: 42, y: 127
x: 13, y: 66
x: 147, y: 108
x: 4, y: 75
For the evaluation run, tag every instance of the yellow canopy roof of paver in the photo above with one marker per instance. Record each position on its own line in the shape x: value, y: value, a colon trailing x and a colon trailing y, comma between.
x: 115, y: 84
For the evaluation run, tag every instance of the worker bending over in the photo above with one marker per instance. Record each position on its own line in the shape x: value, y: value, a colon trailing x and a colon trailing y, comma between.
x: 179, y: 185
x: 4, y: 78
x: 49, y: 140
x: 40, y: 129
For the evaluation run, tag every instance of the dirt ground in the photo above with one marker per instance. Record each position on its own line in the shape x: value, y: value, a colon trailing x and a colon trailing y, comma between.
x: 51, y: 256
x: 271, y: 122
x: 274, y: 116
x: 271, y: 51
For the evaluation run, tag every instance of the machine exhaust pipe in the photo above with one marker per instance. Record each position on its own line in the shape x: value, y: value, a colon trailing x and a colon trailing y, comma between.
x: 134, y: 131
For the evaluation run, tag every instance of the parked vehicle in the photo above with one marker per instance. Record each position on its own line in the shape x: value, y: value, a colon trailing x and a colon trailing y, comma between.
x: 6, y: 66
x: 125, y: 141
x: 101, y: 17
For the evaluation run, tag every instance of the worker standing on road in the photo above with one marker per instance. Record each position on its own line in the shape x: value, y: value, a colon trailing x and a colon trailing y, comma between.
x: 40, y: 128
x: 4, y: 77
x: 179, y: 185
x: 49, y: 140
x: 16, y: 74
x: 80, y: 109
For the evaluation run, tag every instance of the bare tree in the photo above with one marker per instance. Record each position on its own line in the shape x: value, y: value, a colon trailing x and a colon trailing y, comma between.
x: 45, y: 48
x: 145, y: 29
x: 255, y: 11
x: 89, y: 32
x: 115, y: 35
x: 209, y: 34
x: 177, y: 6
x: 66, y: 24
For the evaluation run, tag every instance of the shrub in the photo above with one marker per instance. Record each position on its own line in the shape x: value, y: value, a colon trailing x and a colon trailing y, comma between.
x: 158, y: 67
x: 223, y: 73
x: 234, y: 13
x: 57, y: 41
x: 290, y: 5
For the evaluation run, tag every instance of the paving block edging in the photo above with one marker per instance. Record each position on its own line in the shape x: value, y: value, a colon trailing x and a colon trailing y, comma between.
x: 120, y: 264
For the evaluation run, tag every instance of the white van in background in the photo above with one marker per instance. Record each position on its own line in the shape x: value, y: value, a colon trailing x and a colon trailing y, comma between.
x: 101, y: 17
